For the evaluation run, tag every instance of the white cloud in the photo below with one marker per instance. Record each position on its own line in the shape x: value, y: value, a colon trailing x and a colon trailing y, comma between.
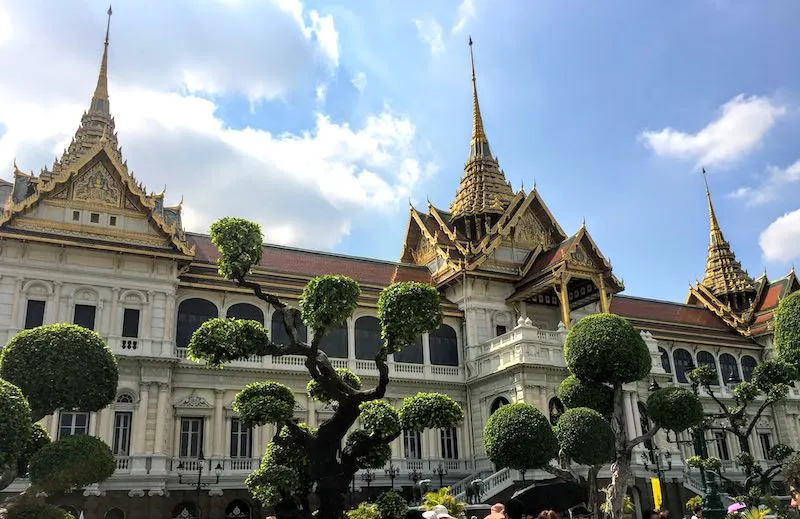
x: 5, y: 26
x: 739, y: 129
x: 429, y: 32
x: 773, y: 187
x: 359, y: 81
x: 780, y: 241
x: 304, y: 188
x: 321, y: 92
x: 465, y: 14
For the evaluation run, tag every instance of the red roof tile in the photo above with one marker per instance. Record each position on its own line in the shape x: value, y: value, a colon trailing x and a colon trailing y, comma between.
x: 650, y: 310
x: 770, y: 297
x: 310, y: 263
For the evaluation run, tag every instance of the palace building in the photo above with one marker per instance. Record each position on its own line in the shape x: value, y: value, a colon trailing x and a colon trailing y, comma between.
x: 84, y: 242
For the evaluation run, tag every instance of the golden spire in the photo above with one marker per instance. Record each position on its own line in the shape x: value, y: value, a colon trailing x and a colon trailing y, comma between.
x: 483, y: 188
x: 479, y: 144
x: 724, y: 275
x: 100, y: 97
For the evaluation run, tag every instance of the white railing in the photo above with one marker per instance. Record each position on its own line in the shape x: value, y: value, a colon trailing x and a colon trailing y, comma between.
x: 523, y: 345
x: 123, y: 463
x: 398, y: 370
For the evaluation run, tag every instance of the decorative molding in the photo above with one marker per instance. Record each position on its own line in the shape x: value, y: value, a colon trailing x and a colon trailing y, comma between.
x: 136, y: 492
x: 194, y: 401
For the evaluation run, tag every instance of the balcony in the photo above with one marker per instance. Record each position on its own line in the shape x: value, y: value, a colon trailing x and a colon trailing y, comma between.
x: 397, y: 370
x: 523, y: 345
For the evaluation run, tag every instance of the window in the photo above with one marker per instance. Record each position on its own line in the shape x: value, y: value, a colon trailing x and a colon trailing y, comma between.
x: 500, y: 330
x: 246, y: 311
x: 412, y: 444
x: 112, y: 221
x: 683, y: 363
x: 748, y: 365
x: 76, y: 216
x: 721, y: 439
x: 411, y: 354
x: 191, y: 314
x: 241, y: 444
x: 191, y: 437
x: 130, y: 322
x: 368, y: 337
x: 84, y: 316
x: 94, y: 217
x: 444, y: 346
x: 334, y: 343
x: 34, y: 315
x: 766, y: 444
x: 449, y: 443
x: 556, y: 408
x: 704, y: 358
x: 278, y: 331
x: 665, y: 360
x: 729, y: 368
x: 498, y: 403
x: 71, y: 423
x: 122, y: 433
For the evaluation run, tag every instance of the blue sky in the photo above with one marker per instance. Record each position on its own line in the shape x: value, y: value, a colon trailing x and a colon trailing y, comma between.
x: 568, y: 91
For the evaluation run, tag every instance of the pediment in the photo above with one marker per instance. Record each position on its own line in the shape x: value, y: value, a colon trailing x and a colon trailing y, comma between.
x: 193, y: 401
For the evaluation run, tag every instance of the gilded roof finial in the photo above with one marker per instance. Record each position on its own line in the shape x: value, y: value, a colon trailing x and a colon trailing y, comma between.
x: 479, y: 145
x: 100, y: 97
x: 711, y: 214
x: 522, y: 185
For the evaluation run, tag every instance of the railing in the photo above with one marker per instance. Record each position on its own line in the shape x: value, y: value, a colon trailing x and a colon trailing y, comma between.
x: 523, y: 345
x: 398, y: 370
x: 123, y: 463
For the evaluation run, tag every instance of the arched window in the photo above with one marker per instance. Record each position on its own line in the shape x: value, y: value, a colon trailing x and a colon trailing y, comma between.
x: 278, y: 333
x: 683, y: 363
x: 412, y: 354
x: 556, y: 409
x: 444, y: 346
x: 729, y: 368
x: 125, y: 398
x: 748, y: 365
x: 368, y: 337
x: 665, y: 360
x: 705, y: 358
x: 185, y: 510
x: 246, y: 311
x: 498, y: 403
x: 191, y: 314
x: 115, y: 513
x: 237, y: 509
x: 335, y: 342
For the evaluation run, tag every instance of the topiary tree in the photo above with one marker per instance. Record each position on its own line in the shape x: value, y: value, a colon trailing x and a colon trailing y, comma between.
x: 51, y: 366
x: 391, y: 505
x: 518, y: 436
x: 300, y: 458
x: 787, y: 330
x: 39, y: 511
x: 605, y: 350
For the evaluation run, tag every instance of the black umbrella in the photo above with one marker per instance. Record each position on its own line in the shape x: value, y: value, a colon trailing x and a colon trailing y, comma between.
x: 552, y: 494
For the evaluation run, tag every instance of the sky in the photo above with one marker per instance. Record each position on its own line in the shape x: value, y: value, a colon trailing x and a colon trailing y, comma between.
x: 321, y: 120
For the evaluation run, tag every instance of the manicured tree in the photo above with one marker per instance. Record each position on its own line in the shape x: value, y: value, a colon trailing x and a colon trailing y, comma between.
x: 391, y: 505
x: 604, y: 349
x: 301, y: 458
x: 60, y: 366
x: 518, y: 436
x: 787, y: 330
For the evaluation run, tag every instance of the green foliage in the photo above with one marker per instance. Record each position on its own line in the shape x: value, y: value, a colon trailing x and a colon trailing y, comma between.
x: 704, y: 376
x: 773, y: 372
x: 328, y: 300
x: 260, y: 403
x: 574, y: 392
x: 746, y: 391
x: 391, y: 505
x: 444, y: 497
x: 219, y: 340
x: 519, y: 437
x: 316, y: 392
x: 52, y: 365
x: 429, y: 411
x: 377, y: 455
x: 38, y: 439
x: 711, y: 463
x: 791, y: 469
x: 606, y: 348
x: 71, y: 462
x: 379, y: 418
x: 38, y: 511
x: 364, y: 511
x: 627, y: 503
x: 675, y: 408
x: 406, y: 311
x: 693, y: 502
x: 585, y: 436
x: 787, y: 330
x: 240, y: 244
x: 284, y: 468
x: 15, y: 423
x: 779, y: 452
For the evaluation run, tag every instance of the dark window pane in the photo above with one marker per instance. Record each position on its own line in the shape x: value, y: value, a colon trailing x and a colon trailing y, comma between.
x: 412, y: 354
x: 335, y: 342
x: 368, y: 338
x: 683, y: 361
x: 704, y: 358
x: 130, y: 322
x: 246, y: 311
x: 84, y: 316
x: 444, y: 346
x: 665, y: 360
x: 278, y: 333
x: 748, y: 365
x: 500, y: 330
x: 729, y: 368
x: 191, y: 314
x: 34, y: 316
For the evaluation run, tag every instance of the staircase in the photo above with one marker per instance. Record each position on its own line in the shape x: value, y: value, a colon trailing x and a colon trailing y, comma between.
x: 492, y: 485
x: 695, y: 485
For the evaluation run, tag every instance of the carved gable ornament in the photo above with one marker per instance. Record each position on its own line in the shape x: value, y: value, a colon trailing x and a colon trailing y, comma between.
x: 580, y: 257
x: 530, y: 232
x: 194, y: 401
x: 97, y: 186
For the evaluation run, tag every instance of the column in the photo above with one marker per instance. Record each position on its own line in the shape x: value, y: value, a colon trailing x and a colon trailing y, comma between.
x: 169, y: 318
x: 162, y: 426
x: 104, y: 426
x: 604, y: 303
x: 629, y: 417
x: 219, y: 423
x: 637, y: 417
x: 55, y: 313
x: 147, y: 316
x: 16, y: 322
x: 139, y: 461
x: 53, y: 426
x: 115, y: 329
x: 351, y: 338
x: 563, y: 298
x: 543, y: 400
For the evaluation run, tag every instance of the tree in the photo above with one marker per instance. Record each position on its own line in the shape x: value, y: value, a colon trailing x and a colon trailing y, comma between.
x: 518, y: 436
x: 49, y: 366
x: 770, y: 384
x: 301, y: 458
x: 605, y: 350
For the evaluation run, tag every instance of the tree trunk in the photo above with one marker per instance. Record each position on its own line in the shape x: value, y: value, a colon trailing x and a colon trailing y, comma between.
x: 332, y: 492
x: 591, y: 480
x: 621, y: 468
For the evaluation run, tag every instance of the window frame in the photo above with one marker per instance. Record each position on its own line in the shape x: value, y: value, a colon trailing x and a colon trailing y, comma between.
x: 72, y: 427
x: 185, y: 437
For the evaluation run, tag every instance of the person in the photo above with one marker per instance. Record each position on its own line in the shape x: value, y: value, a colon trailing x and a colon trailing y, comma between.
x: 514, y: 509
x: 437, y: 512
x: 548, y: 514
x: 498, y: 511
x: 697, y: 512
x: 663, y: 513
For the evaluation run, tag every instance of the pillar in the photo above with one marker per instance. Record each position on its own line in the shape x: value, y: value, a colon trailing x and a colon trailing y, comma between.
x: 605, y: 305
x: 55, y: 316
x: 219, y: 424
x: 140, y: 419
x: 169, y: 318
x: 629, y: 421
x: 16, y: 321
x: 104, y: 426
x: 160, y: 446
x: 115, y: 329
x: 637, y: 417
x: 563, y: 298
